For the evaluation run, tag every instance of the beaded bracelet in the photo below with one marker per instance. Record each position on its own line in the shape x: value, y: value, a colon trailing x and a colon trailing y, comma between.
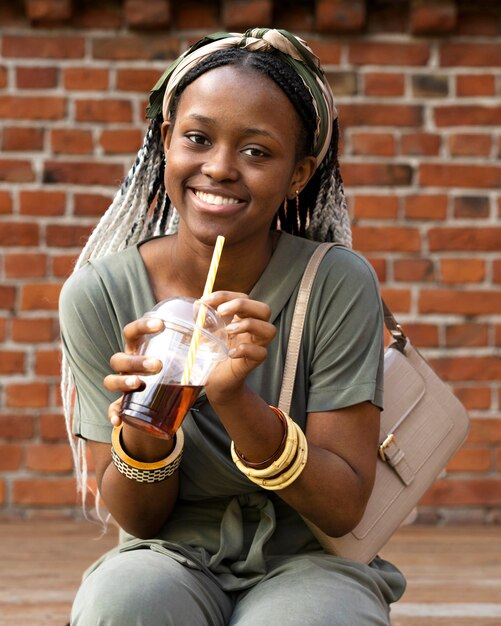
x: 145, y: 472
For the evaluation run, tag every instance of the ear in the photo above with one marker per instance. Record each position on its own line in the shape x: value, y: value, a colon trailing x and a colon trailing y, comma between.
x: 303, y: 171
x: 166, y: 135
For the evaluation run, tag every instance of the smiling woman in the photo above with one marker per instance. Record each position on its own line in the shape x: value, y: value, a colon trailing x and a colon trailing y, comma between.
x: 242, y: 143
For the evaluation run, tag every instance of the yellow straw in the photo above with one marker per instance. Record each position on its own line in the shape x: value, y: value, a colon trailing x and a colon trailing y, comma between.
x: 202, y: 311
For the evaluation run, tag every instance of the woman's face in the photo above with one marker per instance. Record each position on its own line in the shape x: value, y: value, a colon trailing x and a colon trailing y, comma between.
x: 231, y: 154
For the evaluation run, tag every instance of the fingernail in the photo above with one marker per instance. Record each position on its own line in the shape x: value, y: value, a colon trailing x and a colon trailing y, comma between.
x: 131, y: 381
x: 154, y: 323
x: 232, y: 352
x: 233, y: 327
x: 150, y: 364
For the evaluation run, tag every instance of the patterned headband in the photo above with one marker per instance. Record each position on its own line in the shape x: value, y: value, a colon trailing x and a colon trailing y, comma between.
x: 293, y: 50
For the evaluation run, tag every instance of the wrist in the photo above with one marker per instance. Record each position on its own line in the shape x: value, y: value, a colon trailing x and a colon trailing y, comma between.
x: 143, y: 447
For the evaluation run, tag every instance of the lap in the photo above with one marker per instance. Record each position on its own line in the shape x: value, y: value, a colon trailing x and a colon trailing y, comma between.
x: 312, y: 590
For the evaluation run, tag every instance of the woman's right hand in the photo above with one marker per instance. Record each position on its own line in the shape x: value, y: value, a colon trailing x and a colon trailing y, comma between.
x: 129, y: 364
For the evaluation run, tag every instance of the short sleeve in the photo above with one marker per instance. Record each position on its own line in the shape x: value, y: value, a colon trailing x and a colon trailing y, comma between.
x: 90, y: 334
x: 345, y: 334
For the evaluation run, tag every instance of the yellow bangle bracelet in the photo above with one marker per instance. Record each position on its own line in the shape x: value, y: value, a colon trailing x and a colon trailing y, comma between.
x: 287, y: 477
x: 145, y: 472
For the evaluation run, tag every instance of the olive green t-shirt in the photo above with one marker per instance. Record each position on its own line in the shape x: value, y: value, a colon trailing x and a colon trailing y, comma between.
x: 340, y: 364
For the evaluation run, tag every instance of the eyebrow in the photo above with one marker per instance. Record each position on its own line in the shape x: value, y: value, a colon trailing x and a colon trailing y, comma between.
x: 247, y: 131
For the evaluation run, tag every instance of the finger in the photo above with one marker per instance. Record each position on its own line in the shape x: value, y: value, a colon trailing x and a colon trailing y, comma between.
x: 135, y: 364
x: 260, y: 332
x: 216, y: 298
x: 113, y: 412
x: 135, y: 331
x: 245, y: 307
x: 117, y: 382
x: 250, y: 352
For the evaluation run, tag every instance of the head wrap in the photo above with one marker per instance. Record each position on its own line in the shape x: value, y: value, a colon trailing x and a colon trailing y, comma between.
x: 293, y: 50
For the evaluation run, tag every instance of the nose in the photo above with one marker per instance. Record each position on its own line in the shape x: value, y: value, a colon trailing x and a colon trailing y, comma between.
x: 220, y: 164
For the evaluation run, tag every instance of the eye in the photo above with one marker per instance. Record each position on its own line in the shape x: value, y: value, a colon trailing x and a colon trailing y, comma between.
x: 197, y: 138
x: 253, y: 151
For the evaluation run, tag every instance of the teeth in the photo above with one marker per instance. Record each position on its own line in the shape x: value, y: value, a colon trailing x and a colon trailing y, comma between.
x: 212, y: 199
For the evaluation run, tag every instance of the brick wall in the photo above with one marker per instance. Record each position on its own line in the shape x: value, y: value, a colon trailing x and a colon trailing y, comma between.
x: 417, y: 86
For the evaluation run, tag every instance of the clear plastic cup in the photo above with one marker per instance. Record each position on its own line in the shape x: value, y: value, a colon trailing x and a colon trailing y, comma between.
x: 161, y: 406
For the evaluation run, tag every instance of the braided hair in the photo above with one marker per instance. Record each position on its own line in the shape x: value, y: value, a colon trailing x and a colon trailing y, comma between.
x: 141, y: 207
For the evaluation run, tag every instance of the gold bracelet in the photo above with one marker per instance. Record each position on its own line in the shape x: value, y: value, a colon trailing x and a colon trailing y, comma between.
x: 293, y: 472
x: 145, y: 472
x: 279, y: 464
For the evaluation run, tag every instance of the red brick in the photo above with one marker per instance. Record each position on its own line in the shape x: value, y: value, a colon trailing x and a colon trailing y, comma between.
x: 340, y: 16
x: 426, y: 207
x: 19, y: 234
x: 22, y: 138
x: 496, y: 271
x: 3, y: 328
x: 480, y: 239
x: 450, y: 301
x: 10, y: 457
x: 384, y: 84
x: 91, y: 204
x: 12, y: 362
x: 42, y: 202
x: 468, y: 85
x: 398, y: 300
x: 32, y: 108
x: 71, y: 141
x: 430, y: 86
x: 414, y: 270
x: 16, y: 171
x: 459, y: 271
x: 375, y: 206
x: 471, y: 115
x: 377, y: 144
x: 386, y: 239
x: 422, y: 335
x: 62, y: 265
x: 50, y: 47
x: 464, y: 492
x: 86, y: 79
x: 418, y: 144
x: 7, y: 297
x: 99, y: 17
x: 134, y: 48
x: 132, y: 79
x: 109, y: 111
x: 39, y: 492
x: 194, y: 14
x: 474, y: 398
x: 32, y: 330
x: 455, y: 54
x: 432, y: 16
x: 62, y: 236
x: 147, y: 13
x: 380, y: 115
x: 471, y: 460
x: 376, y: 174
x: 485, y: 431
x: 124, y: 141
x: 53, y: 428
x: 387, y: 53
x: 48, y: 363
x: 476, y: 207
x: 43, y: 296
x: 343, y: 83
x: 379, y: 266
x: 478, y: 19
x: 3, y: 77
x: 25, y: 265
x: 470, y: 144
x: 328, y: 51
x: 16, y: 427
x: 36, y: 77
x: 462, y: 176
x: 468, y: 334
x: 53, y: 458
x: 83, y: 173
x: 238, y: 14
x: 27, y: 395
x: 5, y: 202
x: 49, y: 10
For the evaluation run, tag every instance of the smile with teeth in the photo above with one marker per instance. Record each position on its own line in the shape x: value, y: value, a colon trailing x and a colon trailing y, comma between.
x: 210, y: 198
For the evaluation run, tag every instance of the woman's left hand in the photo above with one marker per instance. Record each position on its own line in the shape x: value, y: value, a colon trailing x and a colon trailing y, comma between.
x: 249, y: 333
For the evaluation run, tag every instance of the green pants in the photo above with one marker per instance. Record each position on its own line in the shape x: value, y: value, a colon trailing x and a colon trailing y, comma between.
x: 146, y: 587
